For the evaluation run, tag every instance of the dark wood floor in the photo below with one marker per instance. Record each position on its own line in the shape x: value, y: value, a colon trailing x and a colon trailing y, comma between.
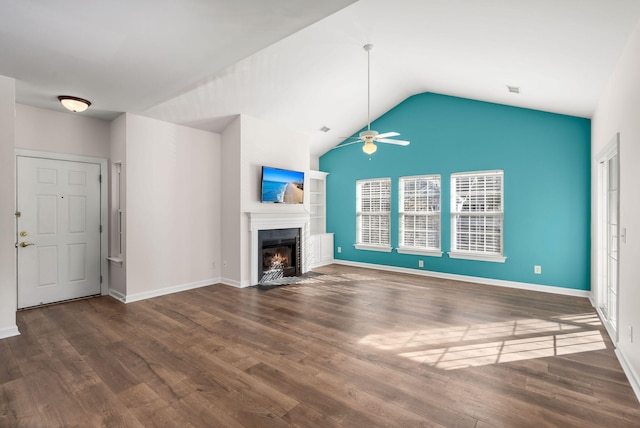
x: 350, y: 348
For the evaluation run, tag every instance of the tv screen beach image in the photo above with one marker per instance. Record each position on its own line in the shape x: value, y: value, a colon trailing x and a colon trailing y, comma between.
x: 282, y: 186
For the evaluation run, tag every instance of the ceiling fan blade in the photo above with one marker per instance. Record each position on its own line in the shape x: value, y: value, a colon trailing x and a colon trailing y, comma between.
x: 388, y: 134
x: 397, y: 142
x: 345, y: 144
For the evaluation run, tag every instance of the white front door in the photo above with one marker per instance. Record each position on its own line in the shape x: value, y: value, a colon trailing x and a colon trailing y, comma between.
x: 58, y: 230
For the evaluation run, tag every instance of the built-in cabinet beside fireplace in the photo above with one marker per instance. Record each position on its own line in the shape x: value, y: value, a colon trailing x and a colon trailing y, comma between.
x: 321, y: 242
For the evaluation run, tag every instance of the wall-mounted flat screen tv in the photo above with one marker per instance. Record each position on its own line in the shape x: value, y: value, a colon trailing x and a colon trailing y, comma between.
x: 282, y: 186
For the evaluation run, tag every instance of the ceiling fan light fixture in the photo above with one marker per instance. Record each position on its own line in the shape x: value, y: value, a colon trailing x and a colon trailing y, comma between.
x: 369, y: 148
x: 74, y: 104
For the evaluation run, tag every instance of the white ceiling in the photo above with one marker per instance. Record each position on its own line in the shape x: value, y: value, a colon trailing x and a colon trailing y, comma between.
x: 300, y: 63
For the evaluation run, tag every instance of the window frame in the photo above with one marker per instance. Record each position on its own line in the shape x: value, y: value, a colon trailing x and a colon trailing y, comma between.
x: 413, y: 249
x: 360, y: 215
x: 488, y: 256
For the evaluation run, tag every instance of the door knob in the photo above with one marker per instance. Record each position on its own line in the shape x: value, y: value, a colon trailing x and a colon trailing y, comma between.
x: 26, y: 244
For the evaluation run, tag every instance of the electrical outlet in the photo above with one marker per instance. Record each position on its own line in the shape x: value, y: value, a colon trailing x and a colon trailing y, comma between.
x: 537, y: 269
x: 339, y: 249
x: 420, y: 263
x: 630, y: 334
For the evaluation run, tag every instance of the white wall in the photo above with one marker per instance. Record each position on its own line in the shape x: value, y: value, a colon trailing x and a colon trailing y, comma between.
x: 618, y: 111
x: 58, y: 132
x: 314, y: 163
x: 172, y: 206
x: 8, y: 292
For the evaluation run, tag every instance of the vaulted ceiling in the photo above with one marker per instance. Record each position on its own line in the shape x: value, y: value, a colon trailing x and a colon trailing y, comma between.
x: 300, y: 63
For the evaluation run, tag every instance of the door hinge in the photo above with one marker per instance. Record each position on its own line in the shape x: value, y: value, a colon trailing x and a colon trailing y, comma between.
x: 18, y: 213
x: 100, y: 279
x: 100, y: 228
x: 100, y: 178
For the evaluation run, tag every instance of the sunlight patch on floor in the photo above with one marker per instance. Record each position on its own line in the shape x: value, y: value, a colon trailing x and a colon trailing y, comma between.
x: 545, y: 338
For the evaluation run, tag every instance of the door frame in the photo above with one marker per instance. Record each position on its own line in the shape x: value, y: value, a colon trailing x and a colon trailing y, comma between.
x: 104, y: 204
x: 599, y: 294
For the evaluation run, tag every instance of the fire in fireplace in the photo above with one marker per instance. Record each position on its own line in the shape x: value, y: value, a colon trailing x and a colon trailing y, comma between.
x: 280, y: 249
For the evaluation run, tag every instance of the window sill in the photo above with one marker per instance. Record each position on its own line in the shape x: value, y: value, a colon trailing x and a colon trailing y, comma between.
x: 419, y: 251
x: 372, y: 248
x: 477, y: 256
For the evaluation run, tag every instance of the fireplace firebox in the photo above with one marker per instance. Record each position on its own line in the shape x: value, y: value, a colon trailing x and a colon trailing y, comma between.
x: 279, y: 251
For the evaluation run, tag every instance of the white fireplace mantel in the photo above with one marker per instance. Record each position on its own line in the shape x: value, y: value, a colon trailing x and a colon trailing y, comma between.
x: 267, y: 221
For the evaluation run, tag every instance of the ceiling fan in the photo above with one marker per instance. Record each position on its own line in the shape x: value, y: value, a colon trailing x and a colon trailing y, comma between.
x: 370, y: 137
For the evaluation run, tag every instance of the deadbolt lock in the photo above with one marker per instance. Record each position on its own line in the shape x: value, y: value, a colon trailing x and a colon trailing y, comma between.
x: 23, y: 233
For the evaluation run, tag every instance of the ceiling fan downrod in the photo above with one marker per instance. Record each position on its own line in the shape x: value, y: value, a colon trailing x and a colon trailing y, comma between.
x: 368, y: 47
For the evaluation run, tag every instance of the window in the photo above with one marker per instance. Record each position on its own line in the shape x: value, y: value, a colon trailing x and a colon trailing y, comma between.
x: 477, y: 205
x: 419, y: 215
x: 373, y: 214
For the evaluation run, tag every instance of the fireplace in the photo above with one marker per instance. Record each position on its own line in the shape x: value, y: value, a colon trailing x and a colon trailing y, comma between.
x: 279, y: 254
x: 259, y: 222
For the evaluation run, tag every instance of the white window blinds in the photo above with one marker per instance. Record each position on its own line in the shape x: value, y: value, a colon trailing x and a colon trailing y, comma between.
x: 477, y: 205
x: 419, y: 212
x: 373, y: 212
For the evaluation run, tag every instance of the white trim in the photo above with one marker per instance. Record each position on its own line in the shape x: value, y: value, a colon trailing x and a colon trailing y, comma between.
x: 118, y: 295
x: 9, y: 332
x: 611, y: 331
x: 104, y: 203
x: 234, y: 283
x: 477, y: 280
x: 418, y: 251
x: 266, y: 221
x: 407, y: 249
x: 324, y: 263
x: 477, y: 256
x: 359, y: 213
x: 373, y: 248
x: 632, y: 376
x: 167, y: 290
x: 454, y: 213
x: 599, y: 241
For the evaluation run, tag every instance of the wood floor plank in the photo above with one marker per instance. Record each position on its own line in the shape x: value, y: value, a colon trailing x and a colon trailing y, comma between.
x: 17, y: 406
x: 9, y: 369
x: 350, y: 347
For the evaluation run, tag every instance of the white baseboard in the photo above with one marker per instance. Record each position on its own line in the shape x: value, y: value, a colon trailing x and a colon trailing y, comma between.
x: 325, y: 263
x: 634, y: 380
x: 234, y: 283
x: 9, y: 332
x: 118, y: 295
x: 163, y: 291
x: 474, y: 279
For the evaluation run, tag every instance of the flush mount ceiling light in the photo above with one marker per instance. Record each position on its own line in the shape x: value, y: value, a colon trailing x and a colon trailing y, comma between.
x: 74, y: 104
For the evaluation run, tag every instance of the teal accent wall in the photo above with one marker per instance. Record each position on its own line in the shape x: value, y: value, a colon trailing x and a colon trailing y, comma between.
x: 546, y: 163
